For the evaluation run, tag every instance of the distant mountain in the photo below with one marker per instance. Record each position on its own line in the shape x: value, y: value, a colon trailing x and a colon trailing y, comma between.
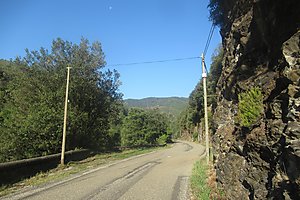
x: 169, y: 105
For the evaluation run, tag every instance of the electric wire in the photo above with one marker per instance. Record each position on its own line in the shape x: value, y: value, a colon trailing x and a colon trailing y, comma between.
x: 205, y: 48
x: 154, y: 61
x: 209, y: 39
x: 211, y: 31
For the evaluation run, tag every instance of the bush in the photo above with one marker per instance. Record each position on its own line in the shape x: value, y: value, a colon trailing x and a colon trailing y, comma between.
x: 195, y: 136
x: 162, y: 140
x: 250, y: 106
x: 144, y: 127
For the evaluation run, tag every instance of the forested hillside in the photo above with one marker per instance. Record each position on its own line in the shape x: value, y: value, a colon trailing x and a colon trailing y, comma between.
x: 168, y: 105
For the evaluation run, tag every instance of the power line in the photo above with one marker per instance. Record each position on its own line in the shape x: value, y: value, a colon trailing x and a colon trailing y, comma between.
x: 209, y: 39
x: 154, y: 61
x: 175, y: 59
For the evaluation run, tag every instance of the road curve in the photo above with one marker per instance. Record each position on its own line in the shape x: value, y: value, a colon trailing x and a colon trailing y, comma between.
x: 162, y: 175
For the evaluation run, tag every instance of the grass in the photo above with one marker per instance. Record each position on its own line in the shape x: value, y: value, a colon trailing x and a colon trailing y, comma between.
x: 203, y: 182
x: 63, y: 172
x: 199, y: 180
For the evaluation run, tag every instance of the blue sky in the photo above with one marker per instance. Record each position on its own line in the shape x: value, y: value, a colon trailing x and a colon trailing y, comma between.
x: 129, y: 31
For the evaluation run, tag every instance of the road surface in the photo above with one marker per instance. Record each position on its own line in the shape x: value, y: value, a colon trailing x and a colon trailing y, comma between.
x: 163, y: 174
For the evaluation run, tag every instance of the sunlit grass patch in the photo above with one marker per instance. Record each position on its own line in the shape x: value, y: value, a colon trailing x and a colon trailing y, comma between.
x: 199, y: 180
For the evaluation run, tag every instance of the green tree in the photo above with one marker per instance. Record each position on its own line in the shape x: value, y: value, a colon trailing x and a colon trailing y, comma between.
x: 143, y: 127
x: 214, y: 75
x: 116, y: 124
x: 216, y: 9
x: 32, y: 100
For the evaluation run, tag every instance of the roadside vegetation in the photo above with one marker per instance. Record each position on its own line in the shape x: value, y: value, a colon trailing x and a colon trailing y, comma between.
x: 203, y: 182
x: 32, y: 92
x: 199, y: 181
x: 144, y: 127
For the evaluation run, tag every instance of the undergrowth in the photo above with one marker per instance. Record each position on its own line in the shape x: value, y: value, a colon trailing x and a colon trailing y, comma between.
x: 203, y: 182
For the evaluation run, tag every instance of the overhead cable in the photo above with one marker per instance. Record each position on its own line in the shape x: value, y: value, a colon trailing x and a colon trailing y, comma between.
x: 154, y: 61
x: 209, y: 39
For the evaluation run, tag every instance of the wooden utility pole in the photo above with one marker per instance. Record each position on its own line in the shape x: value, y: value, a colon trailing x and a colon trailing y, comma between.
x: 204, y: 75
x: 62, y: 160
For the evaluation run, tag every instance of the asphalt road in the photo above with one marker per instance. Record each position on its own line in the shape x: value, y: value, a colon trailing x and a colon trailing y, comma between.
x: 163, y: 174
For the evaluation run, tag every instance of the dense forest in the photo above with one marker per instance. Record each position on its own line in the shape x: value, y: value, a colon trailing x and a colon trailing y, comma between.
x: 32, y: 92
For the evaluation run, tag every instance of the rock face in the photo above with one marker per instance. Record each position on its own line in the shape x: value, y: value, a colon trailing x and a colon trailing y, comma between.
x: 261, y: 40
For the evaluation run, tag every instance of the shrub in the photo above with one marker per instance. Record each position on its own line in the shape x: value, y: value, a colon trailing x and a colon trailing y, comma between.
x: 250, y: 106
x: 143, y: 127
x: 162, y: 140
x: 195, y: 136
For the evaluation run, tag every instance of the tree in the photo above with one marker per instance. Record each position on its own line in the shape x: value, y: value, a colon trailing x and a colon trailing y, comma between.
x: 33, y: 95
x: 216, y: 9
x: 214, y: 75
x: 143, y: 127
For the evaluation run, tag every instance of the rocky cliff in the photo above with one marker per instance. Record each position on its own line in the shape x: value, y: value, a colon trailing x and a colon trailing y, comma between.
x: 261, y: 40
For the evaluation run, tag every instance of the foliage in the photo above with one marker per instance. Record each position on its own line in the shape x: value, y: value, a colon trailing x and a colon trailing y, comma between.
x: 195, y: 135
x: 199, y: 177
x: 162, y: 140
x: 250, y: 106
x: 116, y: 124
x: 216, y: 9
x: 143, y: 127
x: 214, y: 75
x: 32, y: 95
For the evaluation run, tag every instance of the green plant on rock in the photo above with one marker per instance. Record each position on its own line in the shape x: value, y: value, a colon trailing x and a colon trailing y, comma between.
x: 250, y: 106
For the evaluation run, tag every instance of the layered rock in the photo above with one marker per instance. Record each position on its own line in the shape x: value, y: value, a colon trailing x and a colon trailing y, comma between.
x: 261, y: 40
